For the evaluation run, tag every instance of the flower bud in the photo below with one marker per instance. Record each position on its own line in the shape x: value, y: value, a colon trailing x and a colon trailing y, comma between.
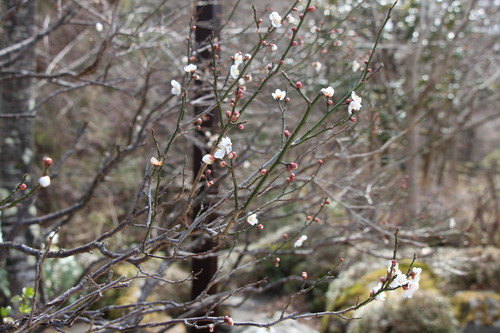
x: 47, y: 161
x: 44, y: 181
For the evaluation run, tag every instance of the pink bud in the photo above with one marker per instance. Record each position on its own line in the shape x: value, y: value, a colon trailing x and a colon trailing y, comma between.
x: 327, y: 202
x: 298, y: 84
x: 231, y: 155
x: 260, y: 226
x: 353, y: 119
x: 229, y: 320
x: 277, y: 262
x: 287, y: 133
x: 47, y: 161
x: 210, y: 183
x: 287, y: 100
x: 285, y: 236
x: 228, y: 114
x: 309, y: 217
x: 241, y: 126
x: 320, y: 162
x: 193, y: 28
x: 222, y: 164
x: 23, y: 186
x: 316, y: 219
x: 311, y: 9
x: 199, y: 121
x: 294, y: 43
x: 263, y: 172
x: 330, y: 102
x: 304, y: 276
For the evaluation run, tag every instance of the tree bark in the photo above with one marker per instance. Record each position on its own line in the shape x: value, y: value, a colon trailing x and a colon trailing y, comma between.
x: 16, y: 136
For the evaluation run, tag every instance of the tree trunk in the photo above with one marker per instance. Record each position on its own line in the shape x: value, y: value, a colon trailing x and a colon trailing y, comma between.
x: 16, y: 136
x: 207, y: 23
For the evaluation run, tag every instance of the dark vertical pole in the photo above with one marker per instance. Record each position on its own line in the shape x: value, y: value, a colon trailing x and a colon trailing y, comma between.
x: 207, y: 26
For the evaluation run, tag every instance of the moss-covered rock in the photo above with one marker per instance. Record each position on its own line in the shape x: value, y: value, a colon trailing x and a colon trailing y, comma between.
x: 354, y: 286
x: 477, y: 309
x: 426, y: 312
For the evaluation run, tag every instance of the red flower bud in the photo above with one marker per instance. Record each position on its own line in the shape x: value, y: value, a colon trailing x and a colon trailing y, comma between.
x: 47, y: 161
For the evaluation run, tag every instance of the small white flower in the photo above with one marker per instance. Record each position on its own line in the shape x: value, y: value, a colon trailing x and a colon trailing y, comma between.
x: 415, y: 274
x: 234, y: 71
x: 208, y: 159
x: 44, y: 181
x: 300, y: 241
x: 155, y: 162
x: 274, y: 47
x: 238, y: 58
x: 248, y: 56
x: 275, y: 19
x: 317, y: 65
x: 279, y: 94
x: 355, y: 104
x: 328, y: 92
x: 224, y: 147
x: 381, y: 296
x: 176, y: 88
x: 290, y: 19
x: 355, y: 66
x: 411, y: 288
x: 99, y: 27
x: 399, y: 280
x: 190, y: 68
x: 252, y: 219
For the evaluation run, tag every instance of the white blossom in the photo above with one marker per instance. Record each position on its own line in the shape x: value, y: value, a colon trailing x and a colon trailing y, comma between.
x: 290, y: 19
x: 328, y: 92
x: 252, y: 219
x: 44, y: 181
x: 355, y: 104
x: 176, y: 88
x: 224, y: 147
x: 300, y: 241
x: 234, y: 71
x: 238, y: 58
x: 381, y: 296
x: 275, y: 19
x: 355, y: 66
x: 279, y: 94
x: 190, y: 68
x: 208, y: 159
x: 155, y: 162
x: 411, y: 288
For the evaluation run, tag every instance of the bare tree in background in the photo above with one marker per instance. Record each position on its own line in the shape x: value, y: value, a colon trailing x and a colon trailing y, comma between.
x: 289, y: 167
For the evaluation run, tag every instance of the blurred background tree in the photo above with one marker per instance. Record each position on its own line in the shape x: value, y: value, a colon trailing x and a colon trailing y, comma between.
x: 421, y: 154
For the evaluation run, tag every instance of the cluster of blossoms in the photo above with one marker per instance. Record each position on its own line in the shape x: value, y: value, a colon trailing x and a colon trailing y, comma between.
x: 238, y: 60
x: 300, y: 241
x: 224, y: 147
x: 410, y: 283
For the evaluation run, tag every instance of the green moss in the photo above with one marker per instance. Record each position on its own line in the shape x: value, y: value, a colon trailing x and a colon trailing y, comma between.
x: 476, y: 306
